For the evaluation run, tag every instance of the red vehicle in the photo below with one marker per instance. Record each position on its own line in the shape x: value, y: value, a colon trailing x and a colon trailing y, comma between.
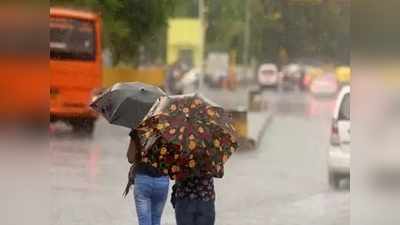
x: 324, y: 86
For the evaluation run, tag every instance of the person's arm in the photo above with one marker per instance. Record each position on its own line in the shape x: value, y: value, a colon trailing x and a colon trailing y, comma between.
x: 131, y: 151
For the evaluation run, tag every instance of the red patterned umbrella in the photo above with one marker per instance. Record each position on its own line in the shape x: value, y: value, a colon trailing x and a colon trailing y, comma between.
x: 187, y: 135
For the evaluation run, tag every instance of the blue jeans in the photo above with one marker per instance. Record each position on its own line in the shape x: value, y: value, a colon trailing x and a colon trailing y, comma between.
x: 150, y: 196
x: 194, y: 212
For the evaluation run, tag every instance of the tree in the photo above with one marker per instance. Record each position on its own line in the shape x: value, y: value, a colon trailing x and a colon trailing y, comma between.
x: 129, y: 24
x: 226, y: 23
x: 306, y: 29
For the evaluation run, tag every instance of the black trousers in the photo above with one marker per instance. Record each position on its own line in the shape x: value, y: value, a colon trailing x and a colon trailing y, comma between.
x: 194, y: 212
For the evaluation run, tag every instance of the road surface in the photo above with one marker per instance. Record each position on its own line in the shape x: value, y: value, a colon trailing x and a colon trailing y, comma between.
x: 283, y: 182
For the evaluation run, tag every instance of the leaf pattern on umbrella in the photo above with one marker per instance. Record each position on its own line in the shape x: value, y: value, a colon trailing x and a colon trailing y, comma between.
x: 195, y: 137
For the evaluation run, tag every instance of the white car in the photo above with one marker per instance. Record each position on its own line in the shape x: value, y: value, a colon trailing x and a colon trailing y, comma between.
x: 268, y: 76
x: 339, y: 148
x: 324, y: 86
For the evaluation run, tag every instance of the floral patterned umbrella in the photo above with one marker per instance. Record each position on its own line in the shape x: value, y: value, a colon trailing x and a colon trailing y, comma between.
x: 187, y: 135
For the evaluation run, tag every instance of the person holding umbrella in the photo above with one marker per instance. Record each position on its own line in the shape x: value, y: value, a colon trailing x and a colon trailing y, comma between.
x: 194, y: 138
x: 151, y: 186
x: 126, y: 104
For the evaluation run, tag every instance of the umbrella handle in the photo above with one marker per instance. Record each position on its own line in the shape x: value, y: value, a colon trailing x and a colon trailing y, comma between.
x: 151, y: 141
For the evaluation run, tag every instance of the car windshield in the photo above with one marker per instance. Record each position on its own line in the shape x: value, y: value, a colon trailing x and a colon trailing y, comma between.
x: 72, y: 39
x: 344, y: 113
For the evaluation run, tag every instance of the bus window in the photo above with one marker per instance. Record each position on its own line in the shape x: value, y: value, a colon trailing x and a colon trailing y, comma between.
x: 72, y: 39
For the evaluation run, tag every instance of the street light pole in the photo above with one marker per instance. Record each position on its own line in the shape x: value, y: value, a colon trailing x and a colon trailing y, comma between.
x: 246, y: 44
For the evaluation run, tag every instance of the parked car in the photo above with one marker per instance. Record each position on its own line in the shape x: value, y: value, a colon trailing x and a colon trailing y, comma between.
x: 324, y: 86
x: 339, y: 148
x: 268, y: 76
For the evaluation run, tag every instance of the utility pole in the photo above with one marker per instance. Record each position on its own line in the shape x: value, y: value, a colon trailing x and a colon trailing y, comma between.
x: 246, y: 44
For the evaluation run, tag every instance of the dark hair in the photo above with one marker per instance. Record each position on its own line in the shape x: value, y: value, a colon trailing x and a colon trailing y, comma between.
x: 135, y: 137
x: 131, y: 175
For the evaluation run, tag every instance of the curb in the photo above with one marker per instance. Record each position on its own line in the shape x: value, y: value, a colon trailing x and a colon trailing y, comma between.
x: 263, y: 130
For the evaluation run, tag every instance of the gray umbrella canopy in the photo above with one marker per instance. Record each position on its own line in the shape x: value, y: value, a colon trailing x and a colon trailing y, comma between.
x: 126, y: 104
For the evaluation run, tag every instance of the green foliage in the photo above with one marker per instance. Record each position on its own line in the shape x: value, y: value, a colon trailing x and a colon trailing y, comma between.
x: 186, y: 8
x: 306, y: 29
x: 226, y: 25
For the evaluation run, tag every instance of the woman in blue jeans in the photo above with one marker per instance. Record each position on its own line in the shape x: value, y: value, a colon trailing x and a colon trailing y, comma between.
x: 150, y: 187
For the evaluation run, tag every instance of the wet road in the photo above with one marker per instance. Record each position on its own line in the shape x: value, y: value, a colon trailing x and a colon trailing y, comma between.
x: 283, y: 182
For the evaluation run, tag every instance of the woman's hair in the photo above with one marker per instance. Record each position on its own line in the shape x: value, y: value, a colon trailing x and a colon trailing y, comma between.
x: 135, y: 137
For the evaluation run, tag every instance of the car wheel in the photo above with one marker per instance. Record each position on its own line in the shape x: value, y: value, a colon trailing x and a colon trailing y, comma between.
x: 334, y: 180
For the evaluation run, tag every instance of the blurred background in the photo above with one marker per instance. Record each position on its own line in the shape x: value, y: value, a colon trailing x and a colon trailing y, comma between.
x: 278, y: 66
x: 281, y: 67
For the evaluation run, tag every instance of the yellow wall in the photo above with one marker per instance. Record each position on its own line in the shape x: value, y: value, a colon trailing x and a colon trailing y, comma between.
x: 185, y: 33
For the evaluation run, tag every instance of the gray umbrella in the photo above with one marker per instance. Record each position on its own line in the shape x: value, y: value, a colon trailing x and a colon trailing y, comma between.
x: 126, y: 104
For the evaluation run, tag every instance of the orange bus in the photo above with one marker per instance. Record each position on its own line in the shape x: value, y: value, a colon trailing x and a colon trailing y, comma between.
x: 75, y: 66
